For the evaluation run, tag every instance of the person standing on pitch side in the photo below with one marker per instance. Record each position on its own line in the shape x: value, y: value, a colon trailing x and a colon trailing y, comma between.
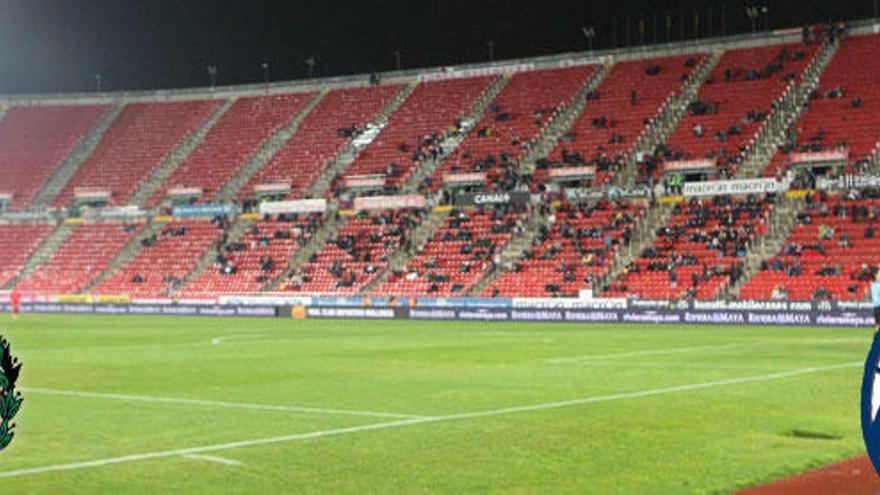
x: 15, y: 302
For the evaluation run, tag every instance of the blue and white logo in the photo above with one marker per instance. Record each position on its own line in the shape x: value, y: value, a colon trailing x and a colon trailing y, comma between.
x: 871, y: 403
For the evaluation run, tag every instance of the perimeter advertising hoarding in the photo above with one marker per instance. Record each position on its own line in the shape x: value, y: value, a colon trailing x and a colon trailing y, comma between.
x: 202, y: 210
x: 777, y: 313
x: 502, y: 198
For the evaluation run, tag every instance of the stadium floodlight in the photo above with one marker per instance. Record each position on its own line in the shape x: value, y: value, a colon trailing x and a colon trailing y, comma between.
x: 753, y: 13
x: 589, y: 33
x: 212, y: 74
x: 98, y: 83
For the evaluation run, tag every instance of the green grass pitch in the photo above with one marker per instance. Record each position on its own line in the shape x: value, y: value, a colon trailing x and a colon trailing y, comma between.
x: 187, y: 405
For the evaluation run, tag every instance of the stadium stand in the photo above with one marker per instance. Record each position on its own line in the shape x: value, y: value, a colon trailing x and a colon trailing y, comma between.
x: 84, y: 255
x: 17, y: 243
x: 34, y: 140
x: 164, y: 261
x: 416, y: 128
x: 332, y: 123
x: 232, y: 141
x: 700, y: 251
x: 136, y: 143
x: 514, y: 119
x: 830, y: 254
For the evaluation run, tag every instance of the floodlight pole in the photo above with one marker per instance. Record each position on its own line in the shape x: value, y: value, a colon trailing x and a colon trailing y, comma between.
x: 491, y: 45
x: 589, y: 33
x: 212, y: 75
x: 752, y: 14
x: 397, y: 64
x: 265, y: 66
x: 310, y: 63
x: 97, y: 83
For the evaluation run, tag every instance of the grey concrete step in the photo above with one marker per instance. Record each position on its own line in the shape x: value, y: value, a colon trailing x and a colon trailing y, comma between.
x: 644, y: 235
x: 549, y: 137
x: 44, y: 252
x: 128, y: 253
x: 77, y: 156
x: 423, y: 233
x: 349, y: 152
x: 451, y: 143
x: 328, y: 230
x: 233, y: 233
x: 779, y: 226
x: 514, y: 249
x: 267, y: 150
x: 772, y: 133
x: 171, y: 162
x: 665, y: 121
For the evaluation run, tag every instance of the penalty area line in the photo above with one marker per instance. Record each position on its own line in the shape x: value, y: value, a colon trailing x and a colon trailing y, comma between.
x: 649, y: 352
x: 215, y: 403
x: 211, y: 458
x: 430, y: 419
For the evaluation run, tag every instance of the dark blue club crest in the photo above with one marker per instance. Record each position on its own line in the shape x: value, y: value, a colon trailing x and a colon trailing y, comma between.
x: 871, y: 403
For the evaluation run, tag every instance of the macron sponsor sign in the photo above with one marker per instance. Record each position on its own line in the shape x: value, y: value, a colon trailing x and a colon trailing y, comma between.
x: 732, y: 187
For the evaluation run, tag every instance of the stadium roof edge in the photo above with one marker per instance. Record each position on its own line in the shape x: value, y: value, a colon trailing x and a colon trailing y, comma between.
x: 397, y: 77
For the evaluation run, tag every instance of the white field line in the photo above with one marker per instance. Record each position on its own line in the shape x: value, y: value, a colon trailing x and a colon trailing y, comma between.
x: 214, y: 403
x: 235, y: 337
x: 686, y: 366
x: 211, y: 458
x: 650, y: 352
x: 700, y: 349
x: 416, y: 421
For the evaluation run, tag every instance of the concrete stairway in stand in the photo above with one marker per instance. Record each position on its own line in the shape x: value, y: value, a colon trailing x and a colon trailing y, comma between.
x: 666, y: 120
x: 350, y: 151
x: 328, y: 231
x: 780, y: 223
x: 514, y: 249
x: 788, y: 111
x: 44, y: 252
x: 643, y: 236
x: 420, y: 236
x: 547, y: 141
x: 233, y: 233
x: 450, y: 144
x: 128, y: 253
x: 80, y: 153
x: 267, y: 150
x: 187, y: 145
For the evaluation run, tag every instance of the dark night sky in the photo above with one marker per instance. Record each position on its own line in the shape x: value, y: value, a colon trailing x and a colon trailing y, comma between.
x: 59, y: 45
